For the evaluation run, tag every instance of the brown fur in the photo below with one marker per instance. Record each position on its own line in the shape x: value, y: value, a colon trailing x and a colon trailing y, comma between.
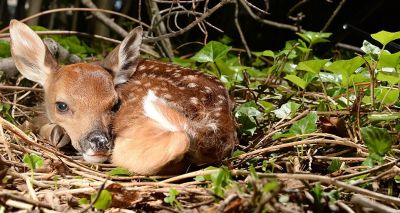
x: 188, y: 120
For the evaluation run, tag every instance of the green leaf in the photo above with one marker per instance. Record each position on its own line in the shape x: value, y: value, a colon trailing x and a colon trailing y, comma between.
x: 271, y: 186
x: 334, y: 166
x: 104, y: 201
x: 119, y: 172
x: 314, y: 37
x: 245, y: 115
x: 220, y: 180
x: 305, y: 125
x: 287, y: 110
x: 268, y: 107
x: 211, y: 52
x: 237, y: 153
x: 313, y: 66
x: 378, y: 141
x: 390, y: 77
x: 4, y: 49
x: 388, y: 60
x: 387, y: 96
x: 171, y: 198
x: 317, y: 193
x: 384, y: 37
x: 33, y: 161
x: 183, y: 62
x: 345, y: 68
x: 297, y: 81
x: 83, y: 201
x: 268, y: 53
x: 369, y: 48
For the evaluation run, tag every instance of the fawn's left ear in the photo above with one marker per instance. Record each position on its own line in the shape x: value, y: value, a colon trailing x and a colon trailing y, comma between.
x: 122, y: 61
x: 32, y: 58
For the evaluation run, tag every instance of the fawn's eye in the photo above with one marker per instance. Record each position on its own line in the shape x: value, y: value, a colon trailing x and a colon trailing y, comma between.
x: 116, y: 106
x: 62, y: 107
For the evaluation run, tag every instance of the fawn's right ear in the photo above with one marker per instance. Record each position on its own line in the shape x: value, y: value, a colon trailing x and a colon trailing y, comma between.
x: 31, y: 56
x: 122, y: 61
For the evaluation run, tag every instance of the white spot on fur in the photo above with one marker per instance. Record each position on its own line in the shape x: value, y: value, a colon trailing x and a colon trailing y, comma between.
x: 144, y: 75
x: 137, y: 82
x: 194, y: 100
x: 151, y: 66
x: 177, y: 75
x: 151, y: 111
x: 221, y: 87
x: 212, y: 126
x: 151, y: 76
x: 190, y: 77
x: 166, y: 96
x: 156, y: 68
x: 142, y: 67
x: 148, y: 84
x: 221, y: 97
x: 168, y: 70
x: 192, y: 85
x: 208, y: 90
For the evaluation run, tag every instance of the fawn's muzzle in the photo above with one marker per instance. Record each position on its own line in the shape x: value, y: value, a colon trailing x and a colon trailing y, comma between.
x: 96, y: 147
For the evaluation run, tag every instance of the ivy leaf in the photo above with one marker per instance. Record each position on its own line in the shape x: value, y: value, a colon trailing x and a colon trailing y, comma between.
x: 287, y: 110
x: 297, y: 81
x: 268, y: 53
x: 211, y: 52
x: 313, y: 66
x: 387, y: 96
x: 345, y: 68
x: 369, y: 48
x: 378, y: 142
x: 246, y: 115
x: 388, y: 60
x: 33, y: 161
x: 305, y: 125
x: 390, y: 77
x: 384, y: 37
x: 314, y: 37
x: 104, y: 201
x: 119, y: 172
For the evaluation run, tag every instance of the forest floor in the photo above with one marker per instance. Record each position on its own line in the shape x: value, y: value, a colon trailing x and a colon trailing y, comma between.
x: 297, y: 152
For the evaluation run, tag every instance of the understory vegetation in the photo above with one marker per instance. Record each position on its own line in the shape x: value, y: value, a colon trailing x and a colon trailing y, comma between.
x: 317, y: 133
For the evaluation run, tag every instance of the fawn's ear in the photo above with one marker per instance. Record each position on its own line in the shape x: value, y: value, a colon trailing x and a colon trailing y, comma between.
x: 122, y: 61
x: 32, y: 58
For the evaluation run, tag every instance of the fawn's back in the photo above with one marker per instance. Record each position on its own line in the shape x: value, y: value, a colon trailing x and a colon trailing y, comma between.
x: 202, y: 99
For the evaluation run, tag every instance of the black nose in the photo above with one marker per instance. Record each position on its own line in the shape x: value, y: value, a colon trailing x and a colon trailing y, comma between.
x: 99, y: 141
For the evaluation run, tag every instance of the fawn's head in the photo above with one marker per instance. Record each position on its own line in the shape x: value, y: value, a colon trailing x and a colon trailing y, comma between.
x: 80, y: 97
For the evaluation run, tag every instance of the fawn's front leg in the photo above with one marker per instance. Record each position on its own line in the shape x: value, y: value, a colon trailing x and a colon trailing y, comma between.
x: 55, y: 134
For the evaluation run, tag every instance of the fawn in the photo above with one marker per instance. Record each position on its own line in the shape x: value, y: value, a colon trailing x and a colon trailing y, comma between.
x: 152, y: 117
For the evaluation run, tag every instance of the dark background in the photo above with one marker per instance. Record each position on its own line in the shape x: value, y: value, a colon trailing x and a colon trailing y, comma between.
x: 363, y: 16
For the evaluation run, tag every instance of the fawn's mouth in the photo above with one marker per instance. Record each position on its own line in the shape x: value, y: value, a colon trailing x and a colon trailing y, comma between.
x: 95, y: 157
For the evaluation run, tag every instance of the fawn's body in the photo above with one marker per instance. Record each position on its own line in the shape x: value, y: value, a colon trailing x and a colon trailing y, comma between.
x: 168, y: 116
